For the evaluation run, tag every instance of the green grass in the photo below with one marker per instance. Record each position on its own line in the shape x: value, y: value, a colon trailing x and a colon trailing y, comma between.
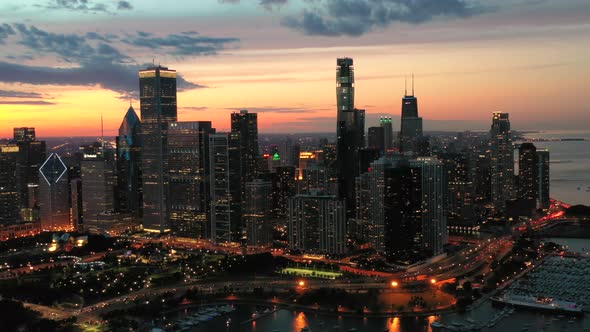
x: 311, y: 273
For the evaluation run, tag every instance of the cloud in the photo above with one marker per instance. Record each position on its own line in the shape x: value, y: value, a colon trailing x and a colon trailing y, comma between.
x: 117, y: 77
x: 181, y: 44
x: 266, y: 4
x: 274, y: 109
x: 94, y: 59
x: 19, y: 94
x: 77, y: 5
x: 357, y: 17
x: 124, y: 5
x: 6, y: 30
x: 26, y: 102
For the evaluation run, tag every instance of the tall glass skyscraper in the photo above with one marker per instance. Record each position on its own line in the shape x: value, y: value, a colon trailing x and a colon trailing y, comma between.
x: 129, y: 189
x: 30, y: 157
x: 502, y: 161
x: 386, y: 124
x: 411, y: 123
x: 543, y: 173
x: 157, y: 93
x: 528, y: 172
x: 349, y: 131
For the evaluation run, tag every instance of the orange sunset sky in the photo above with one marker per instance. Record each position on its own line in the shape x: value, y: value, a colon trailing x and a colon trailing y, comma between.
x: 64, y: 63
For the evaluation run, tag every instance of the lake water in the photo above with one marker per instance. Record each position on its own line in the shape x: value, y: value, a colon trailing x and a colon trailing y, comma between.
x: 570, y: 165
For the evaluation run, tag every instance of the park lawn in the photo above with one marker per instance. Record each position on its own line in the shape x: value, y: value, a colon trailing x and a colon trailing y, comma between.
x: 311, y: 273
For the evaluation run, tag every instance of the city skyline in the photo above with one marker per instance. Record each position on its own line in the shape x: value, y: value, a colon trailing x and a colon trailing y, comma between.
x: 62, y: 70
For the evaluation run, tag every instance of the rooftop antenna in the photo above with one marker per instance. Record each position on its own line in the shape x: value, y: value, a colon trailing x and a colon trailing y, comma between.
x: 412, y: 84
x: 406, y: 85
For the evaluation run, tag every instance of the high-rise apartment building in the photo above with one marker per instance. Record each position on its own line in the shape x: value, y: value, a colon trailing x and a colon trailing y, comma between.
x: 528, y: 172
x: 543, y: 178
x: 501, y: 162
x: 97, y: 172
x: 386, y: 123
x: 9, y: 193
x: 157, y: 94
x: 257, y: 211
x: 188, y: 151
x: 245, y: 124
x: 226, y: 188
x: 317, y: 224
x: 30, y: 157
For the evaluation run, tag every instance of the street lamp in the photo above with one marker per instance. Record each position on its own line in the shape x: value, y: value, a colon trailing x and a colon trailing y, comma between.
x: 394, y: 284
x: 433, y: 281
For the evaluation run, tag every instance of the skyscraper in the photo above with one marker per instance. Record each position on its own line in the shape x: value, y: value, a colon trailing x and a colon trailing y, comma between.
x: 283, y: 188
x: 257, y: 211
x: 411, y: 123
x: 317, y: 224
x: 543, y: 178
x: 226, y: 188
x: 53, y: 195
x: 528, y: 172
x: 376, y: 138
x: 98, y: 188
x: 246, y: 125
x: 9, y: 194
x: 30, y: 157
x: 434, y: 204
x: 157, y: 93
x: 386, y: 124
x: 502, y: 161
x: 188, y: 151
x: 349, y: 131
x: 129, y: 189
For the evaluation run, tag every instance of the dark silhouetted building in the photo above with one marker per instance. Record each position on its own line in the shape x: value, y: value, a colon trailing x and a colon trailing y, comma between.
x: 387, y: 125
x: 246, y: 125
x: 528, y: 172
x: 257, y: 212
x: 376, y: 138
x: 157, y: 94
x: 543, y: 178
x: 283, y: 188
x: 411, y: 123
x: 30, y: 157
x: 9, y: 194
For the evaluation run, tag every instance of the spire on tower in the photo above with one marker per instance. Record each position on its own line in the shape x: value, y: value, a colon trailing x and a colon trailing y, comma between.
x: 406, y: 85
x: 412, y: 84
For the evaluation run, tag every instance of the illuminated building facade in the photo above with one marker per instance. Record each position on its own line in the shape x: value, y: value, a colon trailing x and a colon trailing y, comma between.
x: 543, y: 178
x: 188, y: 149
x: 157, y: 94
x: 501, y: 161
x: 257, y: 211
x: 53, y: 195
x: 317, y: 224
x: 98, y: 188
x: 387, y: 125
x: 528, y: 172
x: 283, y: 188
x: 9, y: 193
x: 225, y: 187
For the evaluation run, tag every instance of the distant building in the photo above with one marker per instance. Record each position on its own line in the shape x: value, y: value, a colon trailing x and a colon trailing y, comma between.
x: 543, y: 178
x: 376, y: 138
x: 387, y: 125
x: 411, y: 123
x: 157, y: 95
x: 317, y: 224
x: 53, y: 195
x: 188, y: 149
x: 30, y: 157
x: 225, y: 187
x: 502, y: 161
x: 460, y: 186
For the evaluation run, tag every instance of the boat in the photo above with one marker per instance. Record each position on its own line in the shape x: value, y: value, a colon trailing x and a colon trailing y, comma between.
x: 541, y: 303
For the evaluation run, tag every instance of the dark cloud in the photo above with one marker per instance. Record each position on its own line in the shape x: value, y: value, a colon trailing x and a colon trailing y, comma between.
x: 19, y: 94
x: 26, y: 102
x: 72, y: 48
x: 267, y: 4
x: 124, y: 5
x: 5, y: 31
x: 117, y: 77
x: 181, y: 44
x: 77, y: 5
x: 356, y: 17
